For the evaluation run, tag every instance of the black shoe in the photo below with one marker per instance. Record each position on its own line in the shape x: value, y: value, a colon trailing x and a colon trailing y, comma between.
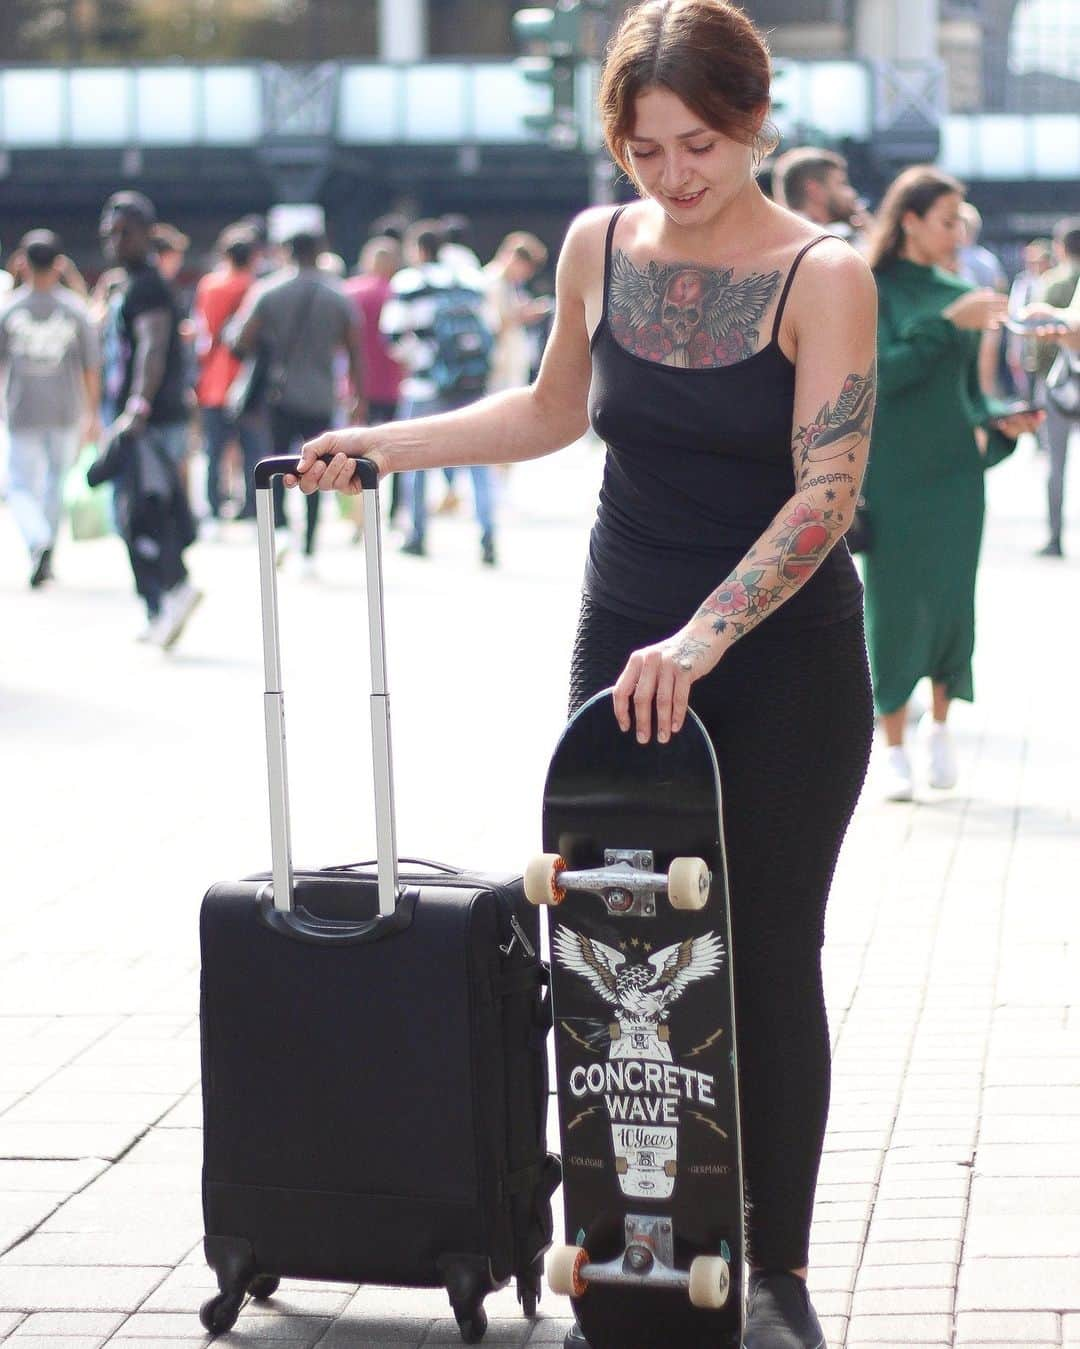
x: 575, y: 1339
x: 414, y: 548
x: 1052, y: 549
x: 779, y: 1314
x: 42, y: 570
x: 487, y: 551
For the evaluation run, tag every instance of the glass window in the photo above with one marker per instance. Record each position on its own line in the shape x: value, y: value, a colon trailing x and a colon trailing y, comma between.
x: 1044, y: 57
x: 231, y: 105
x: 436, y: 103
x: 165, y: 107
x: 33, y: 107
x: 370, y: 103
x: 101, y: 106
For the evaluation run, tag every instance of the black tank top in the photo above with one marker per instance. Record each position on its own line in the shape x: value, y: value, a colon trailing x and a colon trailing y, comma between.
x: 698, y: 462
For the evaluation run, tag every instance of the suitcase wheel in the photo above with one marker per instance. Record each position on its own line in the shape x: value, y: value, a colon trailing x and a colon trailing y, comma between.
x: 473, y: 1325
x: 528, y: 1294
x: 263, y: 1286
x: 219, y: 1314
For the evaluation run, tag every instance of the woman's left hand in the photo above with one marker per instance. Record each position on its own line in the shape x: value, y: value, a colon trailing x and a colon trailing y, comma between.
x: 660, y: 676
x: 1018, y: 423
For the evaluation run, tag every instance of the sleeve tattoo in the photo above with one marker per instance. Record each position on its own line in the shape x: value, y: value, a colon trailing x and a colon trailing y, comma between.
x: 792, y: 548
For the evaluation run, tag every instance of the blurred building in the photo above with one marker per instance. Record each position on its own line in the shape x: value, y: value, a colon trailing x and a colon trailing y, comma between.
x: 221, y: 107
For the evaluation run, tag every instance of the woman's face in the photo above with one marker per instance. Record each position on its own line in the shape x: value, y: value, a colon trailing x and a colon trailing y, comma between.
x: 935, y: 238
x: 689, y: 169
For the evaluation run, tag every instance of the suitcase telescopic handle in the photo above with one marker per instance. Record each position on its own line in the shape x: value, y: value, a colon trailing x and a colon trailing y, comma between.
x: 266, y: 470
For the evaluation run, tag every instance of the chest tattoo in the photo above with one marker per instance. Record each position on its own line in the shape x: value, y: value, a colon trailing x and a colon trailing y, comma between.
x: 685, y: 315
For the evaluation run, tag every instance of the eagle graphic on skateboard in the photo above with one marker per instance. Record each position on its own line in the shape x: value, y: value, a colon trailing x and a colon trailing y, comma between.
x: 635, y: 880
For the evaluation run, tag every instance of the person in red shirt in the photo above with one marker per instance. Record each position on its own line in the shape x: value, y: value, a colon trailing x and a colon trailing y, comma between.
x: 217, y: 299
x: 369, y: 289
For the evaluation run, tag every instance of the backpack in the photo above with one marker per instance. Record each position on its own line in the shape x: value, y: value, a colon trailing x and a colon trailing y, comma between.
x: 463, y: 342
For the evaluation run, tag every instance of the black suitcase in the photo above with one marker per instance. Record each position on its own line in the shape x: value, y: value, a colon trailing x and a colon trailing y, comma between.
x: 373, y: 1050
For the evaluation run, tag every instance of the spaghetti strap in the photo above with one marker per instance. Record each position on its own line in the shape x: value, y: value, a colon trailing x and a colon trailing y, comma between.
x: 790, y: 278
x: 607, y: 257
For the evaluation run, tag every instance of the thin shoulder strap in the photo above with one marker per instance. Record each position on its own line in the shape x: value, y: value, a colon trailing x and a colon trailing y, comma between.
x: 791, y: 277
x: 607, y: 253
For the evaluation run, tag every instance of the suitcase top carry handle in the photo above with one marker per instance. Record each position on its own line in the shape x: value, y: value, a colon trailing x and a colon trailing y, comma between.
x: 264, y: 475
x: 266, y: 470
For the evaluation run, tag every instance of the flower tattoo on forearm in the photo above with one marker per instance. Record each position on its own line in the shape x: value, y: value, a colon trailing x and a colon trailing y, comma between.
x: 792, y: 548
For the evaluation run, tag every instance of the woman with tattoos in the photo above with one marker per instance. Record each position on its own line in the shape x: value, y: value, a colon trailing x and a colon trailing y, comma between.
x: 723, y: 347
x: 935, y: 435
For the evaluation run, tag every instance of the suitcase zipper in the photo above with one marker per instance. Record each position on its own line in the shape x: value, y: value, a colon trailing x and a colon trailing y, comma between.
x: 519, y: 936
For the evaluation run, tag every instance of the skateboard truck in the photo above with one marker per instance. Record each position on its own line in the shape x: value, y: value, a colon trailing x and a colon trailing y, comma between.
x: 647, y: 1260
x: 627, y: 882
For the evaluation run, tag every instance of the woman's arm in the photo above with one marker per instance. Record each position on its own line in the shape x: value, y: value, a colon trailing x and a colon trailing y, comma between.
x: 908, y: 352
x: 832, y: 318
x: 504, y: 428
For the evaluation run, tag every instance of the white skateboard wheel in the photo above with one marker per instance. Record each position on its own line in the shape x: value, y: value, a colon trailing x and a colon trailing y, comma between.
x: 688, y: 883
x: 710, y: 1281
x: 541, y: 879
x: 564, y: 1270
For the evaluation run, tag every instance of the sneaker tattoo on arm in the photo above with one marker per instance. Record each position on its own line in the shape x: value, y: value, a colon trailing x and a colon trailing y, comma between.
x: 687, y: 316
x: 838, y: 427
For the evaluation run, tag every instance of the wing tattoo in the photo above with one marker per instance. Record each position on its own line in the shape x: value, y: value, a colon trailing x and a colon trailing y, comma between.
x: 594, y: 961
x: 683, y: 964
x: 636, y: 294
x: 740, y: 305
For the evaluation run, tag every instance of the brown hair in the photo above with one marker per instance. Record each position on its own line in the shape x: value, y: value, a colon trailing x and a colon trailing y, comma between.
x: 706, y: 52
x: 521, y: 244
x: 168, y: 239
x: 795, y: 168
x: 916, y: 189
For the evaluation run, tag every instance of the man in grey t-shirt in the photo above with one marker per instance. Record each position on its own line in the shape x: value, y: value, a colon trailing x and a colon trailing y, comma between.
x: 49, y: 355
x: 305, y: 319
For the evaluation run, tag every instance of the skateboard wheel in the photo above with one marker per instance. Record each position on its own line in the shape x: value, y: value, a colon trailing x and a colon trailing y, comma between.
x: 564, y: 1265
x: 688, y: 883
x: 542, y: 879
x: 710, y: 1281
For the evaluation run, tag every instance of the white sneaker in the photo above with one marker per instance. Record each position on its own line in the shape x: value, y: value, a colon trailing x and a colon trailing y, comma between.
x: 209, y: 530
x: 899, y: 783
x: 941, y: 753
x: 308, y: 570
x: 177, y: 607
x: 157, y: 628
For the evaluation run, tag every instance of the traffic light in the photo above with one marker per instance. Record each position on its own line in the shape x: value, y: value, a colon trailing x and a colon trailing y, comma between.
x: 549, y: 40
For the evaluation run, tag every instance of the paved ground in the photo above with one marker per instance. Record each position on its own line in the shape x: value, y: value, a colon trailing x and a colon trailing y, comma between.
x: 949, y: 1206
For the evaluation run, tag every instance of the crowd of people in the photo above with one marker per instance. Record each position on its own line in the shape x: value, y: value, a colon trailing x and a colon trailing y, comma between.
x: 274, y: 344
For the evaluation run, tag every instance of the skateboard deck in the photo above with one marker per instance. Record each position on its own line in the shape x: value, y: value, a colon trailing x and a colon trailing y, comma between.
x: 644, y: 1037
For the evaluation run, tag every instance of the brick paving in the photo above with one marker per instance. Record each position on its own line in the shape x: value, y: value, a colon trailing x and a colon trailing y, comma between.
x: 949, y: 1205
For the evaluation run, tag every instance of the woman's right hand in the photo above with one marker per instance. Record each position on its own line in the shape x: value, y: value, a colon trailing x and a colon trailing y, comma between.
x: 978, y: 310
x: 328, y: 463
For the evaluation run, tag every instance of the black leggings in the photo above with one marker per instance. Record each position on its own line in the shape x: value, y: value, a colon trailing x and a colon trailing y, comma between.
x: 791, y: 718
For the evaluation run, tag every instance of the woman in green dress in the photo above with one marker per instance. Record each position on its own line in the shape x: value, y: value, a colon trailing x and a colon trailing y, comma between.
x: 934, y: 435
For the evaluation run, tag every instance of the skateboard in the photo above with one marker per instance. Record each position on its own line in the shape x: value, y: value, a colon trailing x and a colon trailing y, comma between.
x: 635, y: 883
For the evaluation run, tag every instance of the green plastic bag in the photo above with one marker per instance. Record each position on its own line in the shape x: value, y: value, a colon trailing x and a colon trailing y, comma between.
x: 89, y: 509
